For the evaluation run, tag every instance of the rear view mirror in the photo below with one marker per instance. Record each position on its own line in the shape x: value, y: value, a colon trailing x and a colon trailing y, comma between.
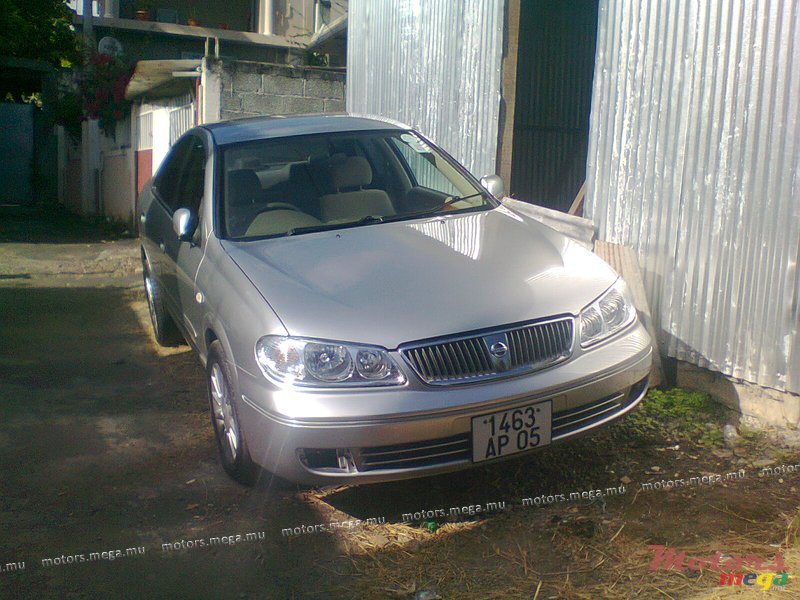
x: 493, y: 185
x: 184, y: 223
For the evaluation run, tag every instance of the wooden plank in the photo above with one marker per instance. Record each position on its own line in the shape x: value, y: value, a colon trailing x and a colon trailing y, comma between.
x: 623, y: 260
x: 578, y: 202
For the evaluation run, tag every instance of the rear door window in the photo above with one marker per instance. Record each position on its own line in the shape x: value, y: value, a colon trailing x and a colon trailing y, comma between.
x: 167, y: 182
x: 192, y: 180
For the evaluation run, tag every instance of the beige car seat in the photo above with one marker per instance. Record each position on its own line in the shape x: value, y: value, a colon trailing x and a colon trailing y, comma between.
x: 351, y: 175
x: 275, y: 222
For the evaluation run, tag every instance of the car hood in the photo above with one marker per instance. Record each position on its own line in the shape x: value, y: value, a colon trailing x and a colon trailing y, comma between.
x: 391, y: 283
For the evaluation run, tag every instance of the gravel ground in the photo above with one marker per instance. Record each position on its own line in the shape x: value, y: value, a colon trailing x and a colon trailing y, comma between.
x: 106, y: 445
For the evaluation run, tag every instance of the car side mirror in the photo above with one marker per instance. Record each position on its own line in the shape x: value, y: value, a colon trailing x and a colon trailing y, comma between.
x: 184, y: 224
x: 493, y: 185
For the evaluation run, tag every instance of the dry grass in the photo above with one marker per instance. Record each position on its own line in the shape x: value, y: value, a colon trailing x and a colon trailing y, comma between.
x: 522, y: 553
x: 575, y: 550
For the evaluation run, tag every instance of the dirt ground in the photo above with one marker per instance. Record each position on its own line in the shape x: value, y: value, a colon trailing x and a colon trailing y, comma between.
x: 105, y: 444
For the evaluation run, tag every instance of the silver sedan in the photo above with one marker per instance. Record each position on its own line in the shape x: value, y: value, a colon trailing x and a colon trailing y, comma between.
x: 368, y: 311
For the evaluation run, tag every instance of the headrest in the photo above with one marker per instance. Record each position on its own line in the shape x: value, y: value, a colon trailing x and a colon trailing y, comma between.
x: 243, y: 187
x: 298, y: 173
x: 353, y: 171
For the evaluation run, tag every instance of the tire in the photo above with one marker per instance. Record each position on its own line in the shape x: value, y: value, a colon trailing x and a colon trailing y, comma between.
x: 222, y: 395
x: 165, y: 330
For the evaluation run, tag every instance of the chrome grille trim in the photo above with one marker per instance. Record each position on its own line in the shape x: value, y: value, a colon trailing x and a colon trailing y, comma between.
x: 565, y: 422
x: 458, y: 448
x: 464, y: 359
x: 414, y: 455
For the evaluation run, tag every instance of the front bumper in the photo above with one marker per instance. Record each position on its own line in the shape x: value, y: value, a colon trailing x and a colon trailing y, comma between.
x: 384, y: 434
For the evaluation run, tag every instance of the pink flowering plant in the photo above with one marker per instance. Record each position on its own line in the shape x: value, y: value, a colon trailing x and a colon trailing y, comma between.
x: 102, y: 84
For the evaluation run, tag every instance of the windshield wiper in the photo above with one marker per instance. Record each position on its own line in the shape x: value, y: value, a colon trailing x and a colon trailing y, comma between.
x: 373, y: 219
x: 430, y: 211
x: 455, y: 199
x: 368, y: 220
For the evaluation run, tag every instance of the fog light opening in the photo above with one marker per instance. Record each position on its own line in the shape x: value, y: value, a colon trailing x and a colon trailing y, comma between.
x: 318, y: 458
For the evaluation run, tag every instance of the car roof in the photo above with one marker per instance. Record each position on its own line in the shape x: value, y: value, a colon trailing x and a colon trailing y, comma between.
x: 261, y: 128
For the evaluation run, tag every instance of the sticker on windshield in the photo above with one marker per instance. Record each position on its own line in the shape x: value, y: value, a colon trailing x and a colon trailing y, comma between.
x: 415, y: 143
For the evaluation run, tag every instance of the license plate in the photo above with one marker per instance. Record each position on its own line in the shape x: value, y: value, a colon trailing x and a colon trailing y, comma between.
x: 511, y: 431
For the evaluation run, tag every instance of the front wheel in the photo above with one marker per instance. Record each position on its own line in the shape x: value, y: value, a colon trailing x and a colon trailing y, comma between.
x: 164, y: 328
x: 225, y: 419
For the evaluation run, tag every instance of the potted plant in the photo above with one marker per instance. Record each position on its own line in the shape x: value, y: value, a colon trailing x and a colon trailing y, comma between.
x: 144, y: 10
x: 192, y: 20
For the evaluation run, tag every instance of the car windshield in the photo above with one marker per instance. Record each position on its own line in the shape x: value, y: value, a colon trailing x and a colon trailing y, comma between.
x: 298, y: 185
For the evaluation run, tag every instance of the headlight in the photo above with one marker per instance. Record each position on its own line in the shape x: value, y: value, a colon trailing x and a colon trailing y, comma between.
x: 328, y: 364
x: 607, y: 315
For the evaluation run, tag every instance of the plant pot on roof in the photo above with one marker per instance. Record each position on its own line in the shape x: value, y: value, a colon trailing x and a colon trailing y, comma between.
x: 144, y: 10
x: 192, y: 19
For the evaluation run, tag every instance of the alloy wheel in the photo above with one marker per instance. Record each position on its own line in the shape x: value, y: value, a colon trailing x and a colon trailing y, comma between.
x: 224, y: 414
x: 150, y: 293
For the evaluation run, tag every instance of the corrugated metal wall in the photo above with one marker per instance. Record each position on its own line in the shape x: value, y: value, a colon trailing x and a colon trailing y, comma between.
x: 434, y: 64
x: 554, y: 92
x: 694, y: 160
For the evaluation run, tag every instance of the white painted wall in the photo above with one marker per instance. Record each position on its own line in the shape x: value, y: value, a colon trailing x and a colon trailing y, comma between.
x: 116, y: 185
x: 160, y: 136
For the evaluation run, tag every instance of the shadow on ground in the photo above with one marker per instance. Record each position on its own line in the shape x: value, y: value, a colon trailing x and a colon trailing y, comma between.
x: 105, y: 444
x: 53, y: 224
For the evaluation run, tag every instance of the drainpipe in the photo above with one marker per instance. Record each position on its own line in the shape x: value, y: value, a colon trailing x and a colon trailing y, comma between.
x: 110, y: 9
x: 88, y: 31
x: 90, y: 134
x: 265, y: 12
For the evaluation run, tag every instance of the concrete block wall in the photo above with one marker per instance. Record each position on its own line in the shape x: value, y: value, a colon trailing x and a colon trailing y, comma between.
x: 250, y: 89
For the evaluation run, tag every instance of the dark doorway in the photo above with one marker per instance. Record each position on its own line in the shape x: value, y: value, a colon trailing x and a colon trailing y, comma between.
x: 555, y: 68
x: 16, y: 148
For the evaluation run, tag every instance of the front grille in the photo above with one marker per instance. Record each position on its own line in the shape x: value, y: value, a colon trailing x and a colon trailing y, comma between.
x: 527, y: 348
x: 415, y: 455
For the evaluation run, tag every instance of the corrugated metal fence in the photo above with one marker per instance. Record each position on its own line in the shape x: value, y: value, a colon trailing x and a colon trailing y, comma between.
x: 694, y: 160
x: 434, y: 64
